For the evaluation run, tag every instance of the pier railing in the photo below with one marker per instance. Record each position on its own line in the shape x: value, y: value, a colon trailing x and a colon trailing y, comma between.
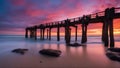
x: 106, y: 17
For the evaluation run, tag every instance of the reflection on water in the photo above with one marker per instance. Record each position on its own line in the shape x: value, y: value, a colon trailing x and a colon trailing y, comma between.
x: 91, y: 55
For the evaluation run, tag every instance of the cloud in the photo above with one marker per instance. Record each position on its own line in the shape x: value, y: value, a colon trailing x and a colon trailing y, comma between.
x: 23, y: 13
x: 18, y: 2
x: 101, y: 5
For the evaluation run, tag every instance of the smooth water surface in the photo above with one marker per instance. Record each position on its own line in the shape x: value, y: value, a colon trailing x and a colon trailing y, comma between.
x: 90, y: 56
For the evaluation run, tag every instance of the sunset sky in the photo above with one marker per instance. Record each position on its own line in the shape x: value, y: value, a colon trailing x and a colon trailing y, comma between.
x: 16, y: 15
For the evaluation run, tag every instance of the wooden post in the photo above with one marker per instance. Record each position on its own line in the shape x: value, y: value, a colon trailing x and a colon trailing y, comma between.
x: 35, y: 32
x: 26, y: 33
x: 30, y: 33
x: 49, y: 33
x: 109, y: 14
x: 58, y: 33
x: 83, y: 29
x: 76, y: 34
x: 103, y: 32
x: 67, y: 32
x: 67, y: 35
x: 106, y: 39
x: 106, y: 34
x: 87, y: 19
x: 111, y: 33
x: 83, y: 34
x: 43, y: 34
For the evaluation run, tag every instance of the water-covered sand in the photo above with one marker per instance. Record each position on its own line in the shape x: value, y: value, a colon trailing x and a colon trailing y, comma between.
x: 90, y: 56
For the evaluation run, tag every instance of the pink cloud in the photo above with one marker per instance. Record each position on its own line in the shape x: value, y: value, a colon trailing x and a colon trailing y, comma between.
x: 18, y: 2
x: 34, y: 13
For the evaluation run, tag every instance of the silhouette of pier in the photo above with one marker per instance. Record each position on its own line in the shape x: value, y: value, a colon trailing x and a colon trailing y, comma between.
x: 105, y: 17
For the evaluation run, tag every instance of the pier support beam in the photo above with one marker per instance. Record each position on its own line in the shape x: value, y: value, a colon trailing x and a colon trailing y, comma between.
x: 40, y: 34
x: 43, y: 33
x: 106, y: 37
x: 67, y: 35
x: 58, y: 33
x: 34, y: 30
x: 111, y: 33
x: 49, y: 33
x: 106, y: 40
x: 85, y: 22
x: 76, y: 34
x: 67, y: 32
x: 82, y: 40
x: 84, y: 33
x: 109, y: 15
x: 103, y: 32
x: 26, y: 33
x: 70, y: 33
x: 35, y: 34
x: 31, y: 33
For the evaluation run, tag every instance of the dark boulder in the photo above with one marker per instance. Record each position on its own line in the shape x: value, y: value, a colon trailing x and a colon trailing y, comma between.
x: 20, y: 51
x: 75, y: 44
x: 114, y: 49
x: 50, y: 52
x: 113, y: 54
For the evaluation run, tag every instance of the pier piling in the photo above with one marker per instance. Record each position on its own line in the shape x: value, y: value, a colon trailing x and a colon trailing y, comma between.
x: 26, y: 33
x: 58, y: 33
x: 76, y: 34
x: 49, y: 33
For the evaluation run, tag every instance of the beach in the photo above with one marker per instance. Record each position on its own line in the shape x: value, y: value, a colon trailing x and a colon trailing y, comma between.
x: 92, y: 55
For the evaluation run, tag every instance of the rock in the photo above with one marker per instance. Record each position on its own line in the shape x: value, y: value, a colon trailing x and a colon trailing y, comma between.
x: 50, y: 52
x: 114, y: 49
x: 75, y: 44
x: 20, y: 51
x: 113, y: 54
x: 40, y: 61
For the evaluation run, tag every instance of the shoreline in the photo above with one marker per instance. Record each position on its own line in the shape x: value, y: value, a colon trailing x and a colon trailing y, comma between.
x: 72, y: 57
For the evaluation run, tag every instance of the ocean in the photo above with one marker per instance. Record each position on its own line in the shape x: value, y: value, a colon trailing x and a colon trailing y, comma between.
x: 90, y: 56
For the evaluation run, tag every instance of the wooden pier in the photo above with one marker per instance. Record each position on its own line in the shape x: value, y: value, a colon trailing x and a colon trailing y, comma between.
x: 105, y: 17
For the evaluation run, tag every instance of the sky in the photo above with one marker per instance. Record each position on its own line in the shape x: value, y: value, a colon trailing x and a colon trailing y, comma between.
x: 16, y: 15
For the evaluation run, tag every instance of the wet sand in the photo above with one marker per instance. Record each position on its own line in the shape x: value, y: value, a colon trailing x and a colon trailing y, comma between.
x: 90, y: 56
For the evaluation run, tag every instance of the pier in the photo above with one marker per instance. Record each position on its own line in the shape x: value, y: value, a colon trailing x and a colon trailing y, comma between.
x: 105, y: 17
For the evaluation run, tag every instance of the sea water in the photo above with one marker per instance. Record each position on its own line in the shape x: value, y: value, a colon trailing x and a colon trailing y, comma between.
x: 92, y: 55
